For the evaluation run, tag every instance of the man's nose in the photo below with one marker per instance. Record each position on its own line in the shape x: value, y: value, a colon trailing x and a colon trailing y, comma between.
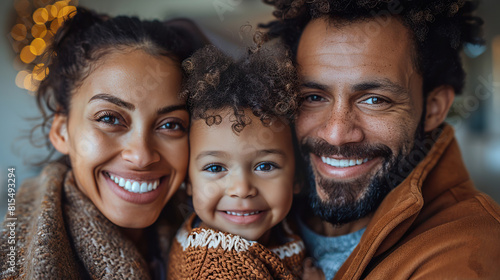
x: 341, y: 125
x: 139, y: 150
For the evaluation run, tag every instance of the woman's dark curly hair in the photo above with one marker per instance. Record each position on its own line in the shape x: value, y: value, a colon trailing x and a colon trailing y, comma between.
x: 440, y: 28
x: 86, y: 37
x: 265, y: 81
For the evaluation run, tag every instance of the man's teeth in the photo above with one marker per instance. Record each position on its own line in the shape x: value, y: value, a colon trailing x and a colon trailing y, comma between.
x: 343, y: 162
x: 134, y: 186
x: 242, y: 214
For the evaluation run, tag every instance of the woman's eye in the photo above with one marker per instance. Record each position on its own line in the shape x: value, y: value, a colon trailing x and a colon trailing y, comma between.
x: 266, y: 166
x: 215, y: 168
x: 374, y: 100
x: 173, y: 126
x: 109, y: 119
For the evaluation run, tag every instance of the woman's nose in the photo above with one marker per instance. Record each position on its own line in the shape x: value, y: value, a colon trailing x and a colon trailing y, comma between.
x: 140, y: 151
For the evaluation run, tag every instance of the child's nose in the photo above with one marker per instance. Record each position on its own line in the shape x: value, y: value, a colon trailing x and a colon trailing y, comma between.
x: 241, y: 187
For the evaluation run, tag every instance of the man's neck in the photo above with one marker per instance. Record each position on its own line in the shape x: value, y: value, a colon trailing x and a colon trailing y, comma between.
x: 327, y: 229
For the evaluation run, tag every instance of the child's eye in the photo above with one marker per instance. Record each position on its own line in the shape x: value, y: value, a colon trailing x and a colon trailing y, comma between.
x: 215, y: 168
x: 265, y: 166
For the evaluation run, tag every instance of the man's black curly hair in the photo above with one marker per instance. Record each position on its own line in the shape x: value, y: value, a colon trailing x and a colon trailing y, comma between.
x: 439, y: 28
x: 265, y: 81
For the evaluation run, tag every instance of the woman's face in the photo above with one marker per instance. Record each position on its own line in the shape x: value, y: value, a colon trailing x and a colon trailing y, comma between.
x: 126, y: 136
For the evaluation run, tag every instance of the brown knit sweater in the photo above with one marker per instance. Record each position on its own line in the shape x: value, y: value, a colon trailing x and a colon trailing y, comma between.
x: 60, y: 234
x: 204, y: 253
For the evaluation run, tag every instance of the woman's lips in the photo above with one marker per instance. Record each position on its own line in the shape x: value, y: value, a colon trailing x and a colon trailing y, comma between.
x: 242, y: 217
x: 135, y: 191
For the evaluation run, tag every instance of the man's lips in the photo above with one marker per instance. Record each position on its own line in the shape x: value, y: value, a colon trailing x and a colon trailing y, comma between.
x: 343, y: 168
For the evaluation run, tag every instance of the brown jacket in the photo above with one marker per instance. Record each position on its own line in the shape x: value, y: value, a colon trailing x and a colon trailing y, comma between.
x: 204, y: 253
x: 434, y: 225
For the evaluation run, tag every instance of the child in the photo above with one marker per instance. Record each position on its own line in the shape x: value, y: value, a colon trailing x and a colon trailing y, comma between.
x: 241, y: 170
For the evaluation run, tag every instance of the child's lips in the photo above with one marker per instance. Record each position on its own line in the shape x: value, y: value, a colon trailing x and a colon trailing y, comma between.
x: 242, y: 216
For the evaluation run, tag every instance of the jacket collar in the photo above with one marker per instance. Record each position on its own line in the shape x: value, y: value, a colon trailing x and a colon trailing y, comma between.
x: 400, y: 208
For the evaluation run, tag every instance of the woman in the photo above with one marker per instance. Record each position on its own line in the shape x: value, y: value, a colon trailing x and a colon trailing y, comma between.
x: 111, y: 97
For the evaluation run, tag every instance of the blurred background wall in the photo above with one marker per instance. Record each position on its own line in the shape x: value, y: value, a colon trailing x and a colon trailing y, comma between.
x: 475, y: 115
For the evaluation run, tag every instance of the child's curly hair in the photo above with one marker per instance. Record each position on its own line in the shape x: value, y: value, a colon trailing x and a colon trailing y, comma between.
x: 265, y: 81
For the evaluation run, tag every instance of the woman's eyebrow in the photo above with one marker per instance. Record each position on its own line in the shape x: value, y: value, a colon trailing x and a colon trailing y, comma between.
x: 171, y: 108
x: 113, y: 99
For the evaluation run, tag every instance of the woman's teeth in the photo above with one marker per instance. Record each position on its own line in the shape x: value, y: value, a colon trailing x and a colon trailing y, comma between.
x: 343, y: 162
x: 134, y: 186
x: 242, y: 214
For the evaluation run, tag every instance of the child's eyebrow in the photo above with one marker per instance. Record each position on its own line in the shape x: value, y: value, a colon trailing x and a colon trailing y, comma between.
x: 271, y: 151
x: 211, y: 153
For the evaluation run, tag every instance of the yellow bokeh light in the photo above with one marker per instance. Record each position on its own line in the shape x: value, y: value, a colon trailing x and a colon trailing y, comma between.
x: 19, y: 32
x: 26, y: 55
x: 48, y: 36
x: 37, y: 46
x: 65, y: 11
x: 38, y: 30
x: 39, y: 72
x: 20, y: 78
x: 60, y: 4
x: 40, y: 16
x: 29, y: 83
x: 52, y: 10
x: 55, y: 24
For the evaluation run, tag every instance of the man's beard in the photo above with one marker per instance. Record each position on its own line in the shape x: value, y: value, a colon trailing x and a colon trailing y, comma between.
x: 347, y: 201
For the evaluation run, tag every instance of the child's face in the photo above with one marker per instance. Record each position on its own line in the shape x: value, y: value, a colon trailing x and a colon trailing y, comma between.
x: 241, y: 184
x: 125, y: 136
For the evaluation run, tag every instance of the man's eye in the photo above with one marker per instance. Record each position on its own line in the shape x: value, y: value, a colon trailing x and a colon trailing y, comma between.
x: 265, y: 167
x: 215, y: 168
x: 313, y: 98
x: 374, y: 100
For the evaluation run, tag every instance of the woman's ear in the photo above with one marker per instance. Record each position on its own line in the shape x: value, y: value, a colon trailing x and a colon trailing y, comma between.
x: 296, y: 187
x: 438, y: 104
x: 189, y: 188
x: 58, y: 134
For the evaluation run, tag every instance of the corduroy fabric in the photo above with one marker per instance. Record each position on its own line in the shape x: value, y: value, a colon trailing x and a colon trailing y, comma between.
x: 202, y: 253
x: 434, y: 225
x: 60, y: 234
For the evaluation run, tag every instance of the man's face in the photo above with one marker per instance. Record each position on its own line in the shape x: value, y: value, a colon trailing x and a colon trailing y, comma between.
x: 360, y: 114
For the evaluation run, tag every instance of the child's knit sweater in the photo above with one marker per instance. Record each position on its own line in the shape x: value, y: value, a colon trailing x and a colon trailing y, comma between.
x: 204, y: 253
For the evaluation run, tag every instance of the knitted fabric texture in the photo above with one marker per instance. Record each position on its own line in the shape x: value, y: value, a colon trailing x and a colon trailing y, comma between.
x: 204, y: 253
x: 60, y: 234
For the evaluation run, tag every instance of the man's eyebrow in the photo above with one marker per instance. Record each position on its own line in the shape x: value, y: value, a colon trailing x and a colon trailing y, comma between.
x: 211, y: 153
x: 382, y: 84
x: 315, y: 85
x: 171, y: 108
x: 113, y: 99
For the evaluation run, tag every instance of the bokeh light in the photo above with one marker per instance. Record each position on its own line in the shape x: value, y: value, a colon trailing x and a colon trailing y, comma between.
x: 40, y: 16
x: 19, y: 32
x: 38, y: 30
x: 26, y: 55
x: 20, y: 78
x: 37, y: 46
x: 34, y: 29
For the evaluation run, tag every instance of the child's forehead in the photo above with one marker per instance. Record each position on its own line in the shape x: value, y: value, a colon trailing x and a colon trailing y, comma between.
x: 254, y: 134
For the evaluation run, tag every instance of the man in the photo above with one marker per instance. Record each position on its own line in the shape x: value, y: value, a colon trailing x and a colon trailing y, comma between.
x: 389, y: 197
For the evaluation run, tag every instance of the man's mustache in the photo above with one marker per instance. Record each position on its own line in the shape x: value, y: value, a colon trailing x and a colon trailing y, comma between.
x: 320, y: 148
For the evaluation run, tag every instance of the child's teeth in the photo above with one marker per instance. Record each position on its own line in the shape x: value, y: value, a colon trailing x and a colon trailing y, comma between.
x: 135, y: 186
x: 242, y: 214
